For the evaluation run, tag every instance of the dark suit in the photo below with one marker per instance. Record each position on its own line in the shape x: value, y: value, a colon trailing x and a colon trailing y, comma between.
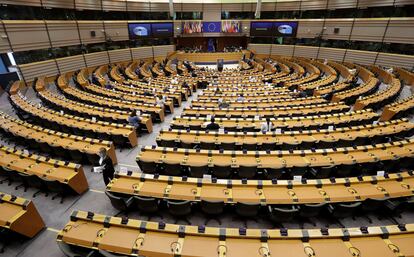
x: 108, y: 170
x: 212, y: 126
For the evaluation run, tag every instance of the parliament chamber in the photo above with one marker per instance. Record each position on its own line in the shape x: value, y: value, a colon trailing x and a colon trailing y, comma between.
x: 204, y: 128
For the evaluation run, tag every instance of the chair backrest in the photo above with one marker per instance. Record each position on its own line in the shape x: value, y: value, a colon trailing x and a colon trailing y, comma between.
x: 146, y: 204
x: 179, y: 208
x: 172, y: 169
x: 311, y: 210
x: 283, y: 213
x: 212, y: 208
x: 222, y: 171
x: 247, y: 209
x: 247, y: 172
x: 198, y: 172
x: 116, y: 201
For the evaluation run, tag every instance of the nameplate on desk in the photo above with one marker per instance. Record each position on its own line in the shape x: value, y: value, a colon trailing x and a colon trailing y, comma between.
x: 380, y: 173
x: 297, y: 178
x: 93, y: 119
x: 123, y: 169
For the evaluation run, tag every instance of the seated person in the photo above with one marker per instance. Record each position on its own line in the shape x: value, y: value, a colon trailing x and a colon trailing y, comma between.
x: 108, y: 86
x: 223, y: 103
x: 240, y: 98
x: 217, y: 91
x: 266, y: 126
x: 212, y: 125
x: 134, y: 120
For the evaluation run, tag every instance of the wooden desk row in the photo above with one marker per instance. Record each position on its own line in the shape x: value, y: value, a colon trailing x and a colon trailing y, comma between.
x: 249, y: 96
x: 277, y: 160
x: 56, y: 139
x: 211, y: 90
x: 156, y: 112
x: 19, y: 215
x: 349, y: 134
x: 406, y: 76
x: 264, y: 192
x: 108, y: 130
x: 90, y: 111
x: 136, y: 237
x: 176, y: 90
x: 146, y: 101
x: 305, y: 110
x: 291, y: 123
x: 289, y: 102
x: 333, y: 88
x: 399, y: 108
x: 350, y: 95
x: 380, y: 98
x: 67, y: 173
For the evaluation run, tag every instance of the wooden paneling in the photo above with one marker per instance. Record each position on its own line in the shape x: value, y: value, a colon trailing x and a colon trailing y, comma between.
x: 142, y: 52
x: 309, y: 28
x: 400, y: 30
x: 260, y: 48
x: 369, y: 29
x: 395, y: 60
x: 344, y: 26
x: 27, y: 35
x: 285, y: 50
x: 71, y: 63
x: 232, y: 7
x: 96, y: 59
x: 162, y: 51
x: 367, y: 3
x: 114, y: 5
x: 268, y: 7
x: 85, y: 28
x: 212, y: 12
x: 4, y: 42
x: 306, y: 51
x: 22, y: 2
x: 59, y: 4
x: 188, y: 7
x: 159, y: 7
x: 288, y: 6
x: 88, y: 4
x: 117, y: 30
x: 337, y: 4
x: 313, y: 5
x: 138, y: 6
x: 334, y: 54
x: 63, y: 33
x: 360, y: 57
x: 120, y: 55
x: 37, y: 69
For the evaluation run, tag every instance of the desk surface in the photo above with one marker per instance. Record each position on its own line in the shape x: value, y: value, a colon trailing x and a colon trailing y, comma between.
x: 152, y: 239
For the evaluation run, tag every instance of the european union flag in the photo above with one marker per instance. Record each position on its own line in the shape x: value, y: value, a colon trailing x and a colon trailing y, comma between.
x: 211, y: 26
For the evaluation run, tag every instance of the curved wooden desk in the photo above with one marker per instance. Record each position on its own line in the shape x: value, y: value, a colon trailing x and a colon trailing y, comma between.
x: 136, y: 237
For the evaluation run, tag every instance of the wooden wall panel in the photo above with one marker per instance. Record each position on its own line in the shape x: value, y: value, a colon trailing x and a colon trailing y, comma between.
x: 260, y: 48
x: 403, y: 2
x: 309, y: 28
x: 120, y: 55
x: 117, y: 30
x: 335, y: 54
x: 400, y: 31
x: 306, y: 51
x: 37, y: 69
x: 96, y: 59
x: 71, y: 63
x: 212, y: 12
x: 142, y: 52
x: 4, y: 42
x: 138, y: 6
x: 268, y: 7
x: 27, y: 35
x: 85, y: 28
x: 22, y: 2
x: 369, y: 29
x: 395, y: 60
x: 232, y: 7
x: 337, y: 4
x: 162, y: 51
x: 88, y: 4
x: 63, y: 33
x: 284, y: 50
x: 58, y: 4
x: 114, y: 5
x: 288, y: 6
x: 367, y: 3
x: 160, y: 7
x: 344, y: 26
x: 189, y: 7
x: 360, y: 57
x: 313, y: 5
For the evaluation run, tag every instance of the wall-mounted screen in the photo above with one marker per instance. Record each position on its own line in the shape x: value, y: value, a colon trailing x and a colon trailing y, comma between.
x: 162, y: 29
x: 137, y: 30
x: 211, y: 26
x: 272, y: 29
x: 231, y: 26
x: 190, y: 27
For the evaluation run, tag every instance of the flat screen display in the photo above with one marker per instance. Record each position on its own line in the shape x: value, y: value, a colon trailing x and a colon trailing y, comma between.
x: 137, y: 30
x: 164, y: 29
x: 273, y: 29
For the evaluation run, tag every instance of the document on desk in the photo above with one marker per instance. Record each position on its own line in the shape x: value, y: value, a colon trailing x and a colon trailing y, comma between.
x: 98, y: 169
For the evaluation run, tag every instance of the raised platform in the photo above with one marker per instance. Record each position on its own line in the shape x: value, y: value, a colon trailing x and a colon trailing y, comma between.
x: 209, y: 58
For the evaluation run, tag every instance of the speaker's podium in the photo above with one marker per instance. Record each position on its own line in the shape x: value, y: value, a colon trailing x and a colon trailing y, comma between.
x: 220, y: 63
